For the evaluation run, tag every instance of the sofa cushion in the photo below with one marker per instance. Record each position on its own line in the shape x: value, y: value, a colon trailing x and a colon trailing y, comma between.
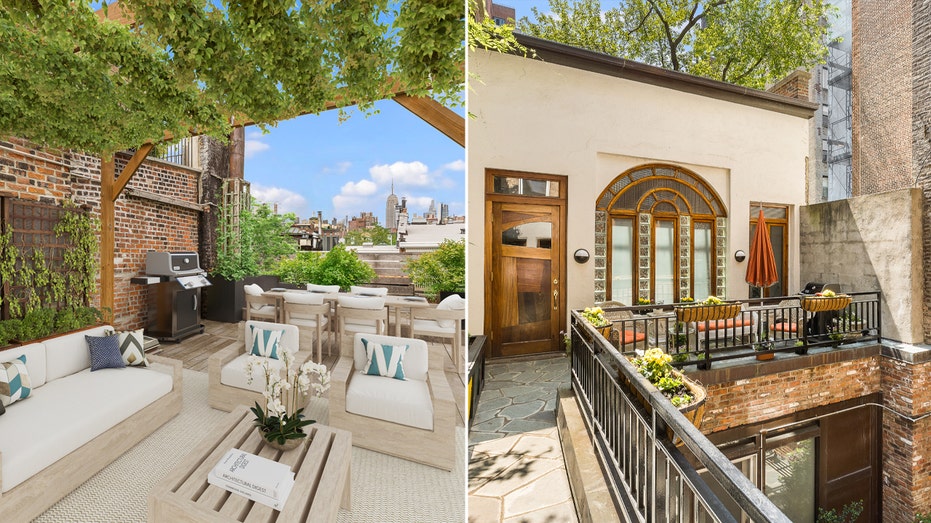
x: 404, y: 402
x: 384, y: 359
x: 415, y: 359
x: 35, y: 361
x: 453, y: 302
x: 132, y: 348
x: 68, y: 412
x: 264, y: 342
x: 68, y: 354
x: 234, y: 373
x: 14, y: 381
x: 105, y: 352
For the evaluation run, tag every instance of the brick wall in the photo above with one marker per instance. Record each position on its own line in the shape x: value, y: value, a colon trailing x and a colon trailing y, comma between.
x: 758, y: 399
x: 141, y: 224
x: 795, y: 85
x: 882, y: 95
x: 906, y: 444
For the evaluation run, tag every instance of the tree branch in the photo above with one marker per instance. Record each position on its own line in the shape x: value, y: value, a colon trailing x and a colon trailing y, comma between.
x: 748, y: 71
x: 672, y: 42
x: 643, y: 20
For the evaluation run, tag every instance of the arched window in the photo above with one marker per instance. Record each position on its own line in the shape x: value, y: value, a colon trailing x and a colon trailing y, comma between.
x: 660, y: 235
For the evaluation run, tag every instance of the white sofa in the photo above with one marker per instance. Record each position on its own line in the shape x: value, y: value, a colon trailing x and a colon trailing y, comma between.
x: 75, y: 422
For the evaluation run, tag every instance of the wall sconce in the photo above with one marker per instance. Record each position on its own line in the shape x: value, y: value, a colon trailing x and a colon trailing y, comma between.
x: 581, y: 255
x: 740, y: 256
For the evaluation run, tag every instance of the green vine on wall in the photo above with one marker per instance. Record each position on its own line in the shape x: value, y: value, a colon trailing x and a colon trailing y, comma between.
x: 79, y: 268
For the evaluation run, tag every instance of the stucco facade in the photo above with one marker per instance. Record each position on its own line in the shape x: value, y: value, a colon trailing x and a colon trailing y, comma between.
x: 590, y: 124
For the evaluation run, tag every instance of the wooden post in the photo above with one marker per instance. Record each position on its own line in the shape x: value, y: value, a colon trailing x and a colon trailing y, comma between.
x: 238, y: 153
x: 107, y: 238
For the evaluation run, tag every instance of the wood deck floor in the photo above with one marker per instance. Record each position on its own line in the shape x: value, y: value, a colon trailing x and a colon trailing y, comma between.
x: 196, y: 350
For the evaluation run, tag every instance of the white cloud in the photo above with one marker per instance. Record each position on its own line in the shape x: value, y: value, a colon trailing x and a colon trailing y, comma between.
x: 403, y: 173
x: 458, y: 165
x: 254, y: 147
x: 339, y: 168
x: 287, y: 200
x: 255, y: 134
x: 360, y: 188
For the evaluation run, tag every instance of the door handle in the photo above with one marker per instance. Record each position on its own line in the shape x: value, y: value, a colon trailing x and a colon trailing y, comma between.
x: 556, y: 299
x: 195, y: 301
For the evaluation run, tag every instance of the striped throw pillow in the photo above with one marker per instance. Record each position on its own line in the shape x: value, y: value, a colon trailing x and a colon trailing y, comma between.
x: 384, y: 360
x: 132, y: 347
x: 265, y: 342
x: 14, y: 381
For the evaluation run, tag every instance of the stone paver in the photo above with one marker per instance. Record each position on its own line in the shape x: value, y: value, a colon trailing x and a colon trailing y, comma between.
x: 517, y: 472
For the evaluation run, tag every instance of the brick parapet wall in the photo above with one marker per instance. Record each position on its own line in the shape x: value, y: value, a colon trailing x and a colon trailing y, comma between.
x: 758, y: 399
x: 906, y: 444
x: 795, y: 85
x: 140, y: 224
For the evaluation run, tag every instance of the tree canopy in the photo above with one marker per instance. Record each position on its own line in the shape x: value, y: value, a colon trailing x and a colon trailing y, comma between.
x: 746, y: 42
x: 71, y: 79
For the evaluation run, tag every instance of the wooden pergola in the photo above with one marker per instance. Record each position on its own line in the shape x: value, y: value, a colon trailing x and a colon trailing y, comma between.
x: 112, y: 186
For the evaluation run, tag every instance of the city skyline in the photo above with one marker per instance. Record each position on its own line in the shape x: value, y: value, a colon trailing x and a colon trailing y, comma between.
x: 317, y: 163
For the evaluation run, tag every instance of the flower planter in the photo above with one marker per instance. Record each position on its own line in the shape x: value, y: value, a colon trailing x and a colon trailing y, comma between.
x: 764, y: 356
x: 694, y: 411
x: 692, y: 313
x: 605, y: 331
x: 825, y: 303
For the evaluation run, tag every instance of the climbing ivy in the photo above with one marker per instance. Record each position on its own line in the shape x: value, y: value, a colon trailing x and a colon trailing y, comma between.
x: 70, y: 79
x: 76, y: 282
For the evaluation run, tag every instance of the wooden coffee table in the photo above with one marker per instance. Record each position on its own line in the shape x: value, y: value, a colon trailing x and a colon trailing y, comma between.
x: 321, y: 487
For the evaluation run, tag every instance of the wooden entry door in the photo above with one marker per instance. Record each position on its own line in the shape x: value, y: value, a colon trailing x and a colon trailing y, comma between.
x: 524, y: 305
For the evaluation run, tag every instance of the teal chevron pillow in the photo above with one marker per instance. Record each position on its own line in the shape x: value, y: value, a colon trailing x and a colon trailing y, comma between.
x: 384, y: 360
x: 15, y: 384
x: 265, y: 342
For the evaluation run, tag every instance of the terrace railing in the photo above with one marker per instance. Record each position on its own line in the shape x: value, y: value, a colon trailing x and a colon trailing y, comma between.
x: 763, y: 326
x: 183, y: 152
x: 633, y: 431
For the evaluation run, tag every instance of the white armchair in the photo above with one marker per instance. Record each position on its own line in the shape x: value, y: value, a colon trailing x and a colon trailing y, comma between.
x: 228, y: 384
x: 414, y: 419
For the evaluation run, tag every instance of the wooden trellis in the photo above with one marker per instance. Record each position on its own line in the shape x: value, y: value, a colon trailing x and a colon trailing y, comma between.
x: 236, y: 198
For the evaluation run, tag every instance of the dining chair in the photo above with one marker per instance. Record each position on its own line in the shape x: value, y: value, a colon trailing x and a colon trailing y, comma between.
x: 365, y: 314
x: 311, y: 314
x: 259, y: 306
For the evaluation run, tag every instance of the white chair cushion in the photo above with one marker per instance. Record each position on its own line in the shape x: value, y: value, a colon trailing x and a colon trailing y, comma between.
x: 361, y: 302
x: 289, y: 340
x: 35, y: 361
x: 404, y: 402
x: 329, y: 289
x: 415, y: 359
x: 307, y: 322
x: 368, y: 291
x: 68, y: 354
x: 303, y: 298
x: 433, y: 327
x: 453, y: 302
x: 258, y: 308
x: 253, y: 289
x: 234, y: 374
x: 68, y: 412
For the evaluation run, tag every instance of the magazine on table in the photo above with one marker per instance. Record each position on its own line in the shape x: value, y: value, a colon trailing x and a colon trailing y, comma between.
x: 254, y: 473
x: 276, y: 503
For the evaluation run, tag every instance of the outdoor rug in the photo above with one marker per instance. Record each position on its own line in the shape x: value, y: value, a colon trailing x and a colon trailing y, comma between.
x: 384, y: 488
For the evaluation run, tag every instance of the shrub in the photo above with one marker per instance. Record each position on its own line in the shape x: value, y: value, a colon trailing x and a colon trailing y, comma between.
x: 340, y: 266
x: 442, y: 270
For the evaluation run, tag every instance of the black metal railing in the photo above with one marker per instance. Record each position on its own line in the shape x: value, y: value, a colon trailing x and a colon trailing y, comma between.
x: 181, y: 153
x: 633, y: 429
x: 763, y: 326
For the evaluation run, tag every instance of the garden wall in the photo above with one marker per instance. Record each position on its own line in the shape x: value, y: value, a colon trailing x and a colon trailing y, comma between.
x: 141, y: 224
x: 870, y: 243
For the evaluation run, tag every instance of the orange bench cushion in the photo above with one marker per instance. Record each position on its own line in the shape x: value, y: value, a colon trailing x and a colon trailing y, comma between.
x: 724, y: 324
x: 784, y: 326
x: 631, y: 336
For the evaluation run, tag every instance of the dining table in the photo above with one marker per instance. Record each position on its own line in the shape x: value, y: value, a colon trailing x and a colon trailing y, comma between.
x: 397, y: 304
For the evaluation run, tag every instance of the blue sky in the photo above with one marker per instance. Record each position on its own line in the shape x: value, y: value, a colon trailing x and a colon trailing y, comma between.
x: 315, y: 163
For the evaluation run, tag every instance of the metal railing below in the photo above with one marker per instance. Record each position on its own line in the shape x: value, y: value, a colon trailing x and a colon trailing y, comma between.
x: 633, y: 428
x: 763, y: 326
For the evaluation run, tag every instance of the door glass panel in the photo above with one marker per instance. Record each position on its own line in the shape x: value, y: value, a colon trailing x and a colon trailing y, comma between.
x: 622, y: 260
x: 526, y: 187
x: 701, y: 261
x: 537, y: 235
x: 790, y: 479
x: 665, y: 277
x: 747, y: 465
x: 533, y: 291
x: 776, y: 236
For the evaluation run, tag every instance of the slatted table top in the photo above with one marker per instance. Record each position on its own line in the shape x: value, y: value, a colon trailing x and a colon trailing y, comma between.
x: 321, y: 467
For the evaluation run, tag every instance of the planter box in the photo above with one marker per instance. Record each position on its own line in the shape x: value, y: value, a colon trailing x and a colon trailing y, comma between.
x: 224, y: 299
x: 694, y: 412
x: 692, y: 313
x: 824, y: 303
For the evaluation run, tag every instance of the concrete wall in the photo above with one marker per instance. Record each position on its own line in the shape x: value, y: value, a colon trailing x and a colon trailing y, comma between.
x: 870, y: 243
x: 546, y: 118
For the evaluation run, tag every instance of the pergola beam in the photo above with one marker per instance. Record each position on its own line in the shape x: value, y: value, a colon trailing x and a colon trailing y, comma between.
x: 436, y: 114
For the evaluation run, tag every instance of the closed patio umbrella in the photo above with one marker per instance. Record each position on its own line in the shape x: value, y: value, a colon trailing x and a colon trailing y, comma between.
x: 761, y: 266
